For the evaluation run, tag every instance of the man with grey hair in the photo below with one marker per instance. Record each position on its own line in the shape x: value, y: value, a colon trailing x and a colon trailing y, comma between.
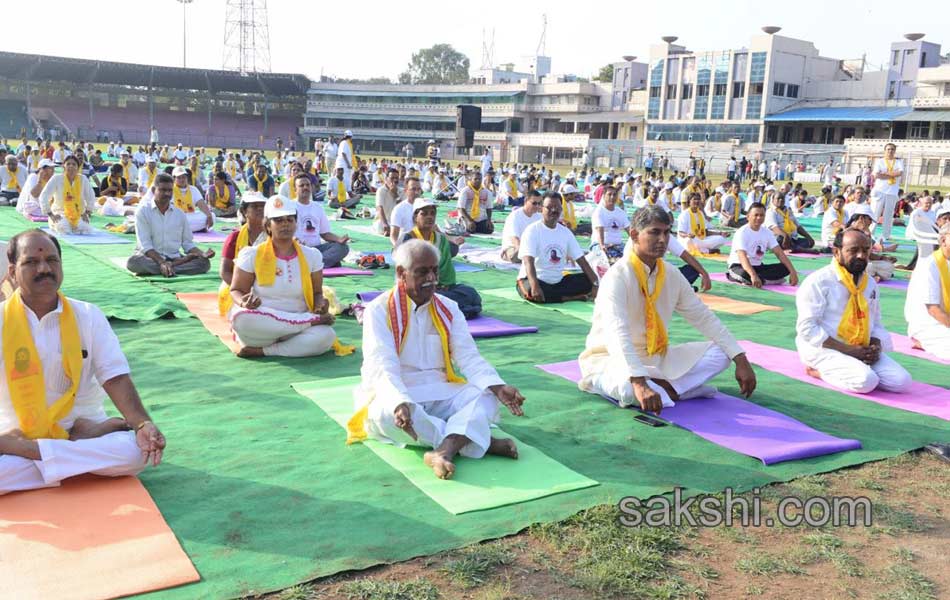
x: 628, y: 356
x: 413, y: 341
x: 12, y: 181
x: 927, y: 308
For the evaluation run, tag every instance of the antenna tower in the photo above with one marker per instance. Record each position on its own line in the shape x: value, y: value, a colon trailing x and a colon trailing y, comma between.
x: 246, y: 36
x: 488, y: 50
x: 542, y: 43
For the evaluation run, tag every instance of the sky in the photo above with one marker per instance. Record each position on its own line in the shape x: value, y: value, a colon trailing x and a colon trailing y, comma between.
x: 378, y: 39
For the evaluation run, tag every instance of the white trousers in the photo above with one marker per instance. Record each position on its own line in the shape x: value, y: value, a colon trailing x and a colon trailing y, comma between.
x: 470, y: 412
x: 112, y: 455
x: 198, y: 221
x: 923, y: 251
x: 710, y: 242
x: 62, y: 226
x: 616, y: 384
x: 852, y: 375
x: 883, y: 203
x: 934, y: 339
x: 281, y: 334
x: 884, y: 269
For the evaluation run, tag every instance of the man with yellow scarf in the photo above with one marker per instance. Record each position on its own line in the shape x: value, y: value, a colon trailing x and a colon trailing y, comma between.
x: 693, y: 231
x: 840, y: 337
x: 278, y: 307
x: 190, y: 201
x: 12, y: 181
x: 147, y: 174
x: 789, y: 234
x: 474, y: 206
x: 423, y: 381
x: 627, y: 356
x: 346, y: 158
x: 60, y: 360
x: 927, y: 308
x: 68, y: 200
x: 338, y: 194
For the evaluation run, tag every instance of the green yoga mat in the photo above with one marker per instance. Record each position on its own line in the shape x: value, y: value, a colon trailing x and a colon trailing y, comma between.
x: 489, y: 482
x: 581, y: 310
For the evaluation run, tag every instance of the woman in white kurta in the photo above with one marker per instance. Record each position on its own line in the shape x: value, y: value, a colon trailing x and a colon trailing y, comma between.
x: 927, y: 308
x: 621, y: 361
x: 287, y: 316
x: 68, y: 200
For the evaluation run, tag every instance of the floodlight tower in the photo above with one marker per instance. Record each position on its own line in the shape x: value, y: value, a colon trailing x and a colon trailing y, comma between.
x: 246, y: 36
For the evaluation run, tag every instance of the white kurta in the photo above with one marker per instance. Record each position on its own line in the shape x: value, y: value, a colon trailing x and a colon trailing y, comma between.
x: 616, y: 349
x: 51, y: 200
x: 115, y: 454
x: 28, y: 205
x: 283, y: 324
x: 417, y: 377
x: 821, y: 301
x: 924, y: 289
x: 197, y: 219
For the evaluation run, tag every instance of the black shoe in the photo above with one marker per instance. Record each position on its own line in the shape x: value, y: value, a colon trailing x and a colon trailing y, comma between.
x: 941, y: 451
x: 735, y: 278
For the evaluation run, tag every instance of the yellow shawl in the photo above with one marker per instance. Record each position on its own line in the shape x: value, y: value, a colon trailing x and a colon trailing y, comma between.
x: 657, y: 339
x: 855, y: 325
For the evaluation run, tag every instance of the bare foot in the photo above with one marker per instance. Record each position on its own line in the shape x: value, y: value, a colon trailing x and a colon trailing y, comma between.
x: 250, y: 352
x: 441, y: 466
x: 85, y: 429
x: 403, y: 418
x: 812, y: 372
x: 503, y: 447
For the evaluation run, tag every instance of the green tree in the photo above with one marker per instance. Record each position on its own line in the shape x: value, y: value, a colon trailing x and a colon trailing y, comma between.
x: 606, y: 74
x: 439, y: 64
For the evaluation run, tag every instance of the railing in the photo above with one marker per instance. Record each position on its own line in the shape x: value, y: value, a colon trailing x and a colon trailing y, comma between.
x: 406, y: 108
x: 488, y: 136
x: 567, y: 108
x: 932, y: 102
x: 187, y: 138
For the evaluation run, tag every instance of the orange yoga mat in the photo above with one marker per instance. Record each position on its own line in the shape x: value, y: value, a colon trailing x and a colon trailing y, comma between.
x: 92, y: 538
x: 735, y: 307
x: 205, y: 306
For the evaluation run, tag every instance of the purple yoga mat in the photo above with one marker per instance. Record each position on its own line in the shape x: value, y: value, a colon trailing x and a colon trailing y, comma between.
x: 209, y: 237
x: 788, y: 290
x: 739, y: 425
x: 38, y: 219
x: 343, y: 271
x: 479, y: 327
x: 904, y: 345
x: 920, y: 398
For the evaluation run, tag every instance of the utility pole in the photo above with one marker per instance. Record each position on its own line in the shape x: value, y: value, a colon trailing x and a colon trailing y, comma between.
x: 184, y: 32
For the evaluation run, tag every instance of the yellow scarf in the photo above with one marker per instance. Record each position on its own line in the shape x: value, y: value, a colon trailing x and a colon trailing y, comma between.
x: 944, y: 270
x: 353, y: 161
x: 72, y: 199
x: 24, y: 370
x: 231, y: 166
x: 418, y: 235
x: 697, y: 224
x: 13, y: 180
x: 340, y: 192
x: 125, y: 171
x: 717, y: 203
x: 890, y: 168
x: 567, y: 213
x: 398, y: 308
x: 182, y: 201
x: 222, y: 199
x: 224, y: 290
x: 151, y: 176
x: 512, y: 188
x: 476, y: 201
x: 840, y: 218
x: 855, y: 325
x: 265, y: 271
x: 292, y: 188
x: 194, y: 176
x: 260, y: 182
x: 657, y: 340
x: 788, y: 226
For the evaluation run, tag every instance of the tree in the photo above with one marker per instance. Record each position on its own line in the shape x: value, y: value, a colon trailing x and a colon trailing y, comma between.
x: 606, y: 74
x: 439, y: 64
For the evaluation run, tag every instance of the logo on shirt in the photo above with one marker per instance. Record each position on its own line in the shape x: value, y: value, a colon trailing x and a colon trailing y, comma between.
x: 554, y: 254
x: 309, y: 226
x: 759, y: 250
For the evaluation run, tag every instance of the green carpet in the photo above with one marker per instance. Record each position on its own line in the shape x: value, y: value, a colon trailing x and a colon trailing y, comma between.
x: 262, y: 492
x: 575, y: 308
x: 491, y: 482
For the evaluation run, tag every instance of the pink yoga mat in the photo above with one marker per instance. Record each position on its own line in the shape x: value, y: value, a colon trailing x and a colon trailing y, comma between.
x: 788, y: 290
x: 343, y: 272
x: 38, y: 219
x: 209, y: 237
x: 897, y: 284
x: 904, y: 345
x: 480, y: 327
x: 921, y: 398
x: 739, y: 425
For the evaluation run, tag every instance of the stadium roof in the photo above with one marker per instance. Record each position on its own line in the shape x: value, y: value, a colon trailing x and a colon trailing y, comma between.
x: 34, y: 67
x: 416, y: 94
x: 390, y: 117
x: 926, y: 115
x: 840, y: 113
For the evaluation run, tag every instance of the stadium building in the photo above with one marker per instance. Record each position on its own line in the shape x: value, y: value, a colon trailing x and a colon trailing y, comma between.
x: 68, y: 98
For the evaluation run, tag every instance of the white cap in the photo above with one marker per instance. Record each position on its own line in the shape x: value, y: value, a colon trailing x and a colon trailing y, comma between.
x: 668, y: 186
x: 253, y: 198
x: 279, y: 206
x: 151, y: 159
x: 431, y: 141
x: 125, y: 153
x: 638, y: 176
x: 943, y: 210
x: 179, y: 171
x: 420, y: 203
x: 46, y: 163
x: 861, y: 209
x: 770, y: 188
x: 759, y: 184
x: 569, y: 189
x: 347, y: 133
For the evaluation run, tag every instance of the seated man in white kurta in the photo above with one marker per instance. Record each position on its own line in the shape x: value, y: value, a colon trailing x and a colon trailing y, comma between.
x: 692, y: 231
x: 410, y: 393
x: 60, y: 360
x: 189, y: 200
x: 841, y: 339
x: 277, y: 292
x: 927, y: 308
x: 627, y: 356
x: 68, y: 200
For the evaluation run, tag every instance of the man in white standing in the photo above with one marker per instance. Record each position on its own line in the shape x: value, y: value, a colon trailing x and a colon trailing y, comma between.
x: 344, y: 158
x: 887, y: 175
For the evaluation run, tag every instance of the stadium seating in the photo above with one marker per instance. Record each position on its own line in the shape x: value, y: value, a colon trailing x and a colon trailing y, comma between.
x: 13, y: 118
